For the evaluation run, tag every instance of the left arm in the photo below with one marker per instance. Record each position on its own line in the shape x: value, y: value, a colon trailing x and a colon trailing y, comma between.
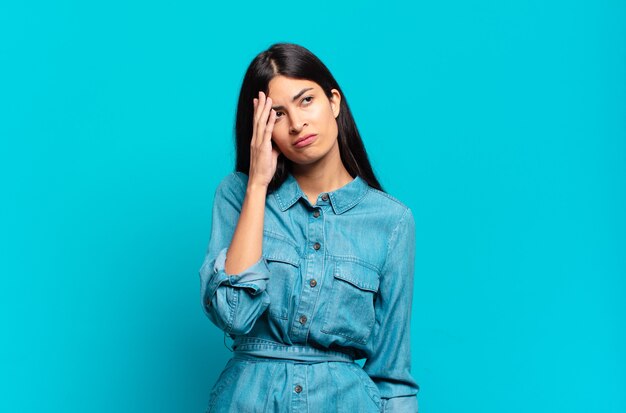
x: 389, y: 364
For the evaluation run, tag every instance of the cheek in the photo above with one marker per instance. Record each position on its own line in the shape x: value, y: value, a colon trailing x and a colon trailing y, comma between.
x: 280, y: 139
x: 330, y: 122
x: 320, y: 113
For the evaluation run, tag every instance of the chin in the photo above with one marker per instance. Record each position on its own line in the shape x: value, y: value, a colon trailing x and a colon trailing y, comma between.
x: 300, y: 159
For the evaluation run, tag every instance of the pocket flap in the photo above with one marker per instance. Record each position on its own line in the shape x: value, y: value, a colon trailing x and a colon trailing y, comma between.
x: 275, y: 249
x: 357, y: 274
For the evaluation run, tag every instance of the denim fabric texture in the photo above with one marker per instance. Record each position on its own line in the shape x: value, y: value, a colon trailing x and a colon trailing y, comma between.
x: 334, y: 284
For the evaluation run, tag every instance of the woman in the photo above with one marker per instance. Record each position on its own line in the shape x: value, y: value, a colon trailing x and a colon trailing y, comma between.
x: 310, y: 263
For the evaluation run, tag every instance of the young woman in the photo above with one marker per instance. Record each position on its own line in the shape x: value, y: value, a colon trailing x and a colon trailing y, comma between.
x: 310, y: 263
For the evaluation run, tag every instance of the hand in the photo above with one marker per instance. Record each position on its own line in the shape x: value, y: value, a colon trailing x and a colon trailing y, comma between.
x: 263, y: 157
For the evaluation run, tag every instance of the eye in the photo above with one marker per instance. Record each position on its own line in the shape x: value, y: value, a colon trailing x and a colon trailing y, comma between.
x: 304, y: 100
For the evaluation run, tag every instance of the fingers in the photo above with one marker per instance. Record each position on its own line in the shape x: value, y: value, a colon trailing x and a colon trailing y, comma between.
x: 265, y: 115
x: 259, y: 107
x: 263, y: 156
x: 269, y: 127
x: 262, y: 111
x: 255, y: 103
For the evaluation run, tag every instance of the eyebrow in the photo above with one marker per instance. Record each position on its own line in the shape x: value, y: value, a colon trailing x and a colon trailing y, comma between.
x: 294, y: 98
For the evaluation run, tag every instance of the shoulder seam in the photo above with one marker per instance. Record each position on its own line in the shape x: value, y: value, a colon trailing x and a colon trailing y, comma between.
x: 231, y: 185
x: 391, y: 197
x: 395, y: 230
x: 241, y: 181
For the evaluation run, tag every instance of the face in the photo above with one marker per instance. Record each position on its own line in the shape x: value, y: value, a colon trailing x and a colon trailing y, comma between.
x: 302, y: 108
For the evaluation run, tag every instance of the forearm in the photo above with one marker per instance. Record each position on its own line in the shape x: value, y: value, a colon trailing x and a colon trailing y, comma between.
x: 246, y: 246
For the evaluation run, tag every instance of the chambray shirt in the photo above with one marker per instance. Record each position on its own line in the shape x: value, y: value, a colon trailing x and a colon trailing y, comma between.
x: 334, y: 283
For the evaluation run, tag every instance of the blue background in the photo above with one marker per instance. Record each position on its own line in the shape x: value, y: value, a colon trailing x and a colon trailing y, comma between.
x: 501, y: 124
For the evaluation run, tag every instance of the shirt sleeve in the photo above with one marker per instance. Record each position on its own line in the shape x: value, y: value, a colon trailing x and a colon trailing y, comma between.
x: 232, y: 302
x: 389, y: 359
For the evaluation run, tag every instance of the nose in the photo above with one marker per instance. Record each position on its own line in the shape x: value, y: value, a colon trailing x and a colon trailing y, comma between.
x: 296, y: 124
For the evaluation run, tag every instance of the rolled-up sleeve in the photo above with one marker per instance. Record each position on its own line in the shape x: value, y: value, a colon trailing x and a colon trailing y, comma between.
x: 232, y: 302
x: 389, y: 356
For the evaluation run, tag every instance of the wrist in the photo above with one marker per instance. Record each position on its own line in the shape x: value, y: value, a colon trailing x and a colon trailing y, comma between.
x: 256, y: 188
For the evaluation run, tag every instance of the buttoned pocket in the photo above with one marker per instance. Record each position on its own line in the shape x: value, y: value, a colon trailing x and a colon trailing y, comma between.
x: 350, y: 308
x: 283, y: 261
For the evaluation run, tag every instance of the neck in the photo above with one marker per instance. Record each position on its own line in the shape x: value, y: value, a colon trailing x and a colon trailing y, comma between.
x: 325, y: 175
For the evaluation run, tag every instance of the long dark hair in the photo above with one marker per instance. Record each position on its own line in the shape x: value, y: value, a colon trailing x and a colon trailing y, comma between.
x: 294, y: 61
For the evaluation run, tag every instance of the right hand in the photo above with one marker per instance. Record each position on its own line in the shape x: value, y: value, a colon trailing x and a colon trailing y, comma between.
x: 263, y: 157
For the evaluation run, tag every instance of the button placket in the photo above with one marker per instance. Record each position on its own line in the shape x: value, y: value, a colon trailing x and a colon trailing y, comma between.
x: 299, y: 400
x: 312, y: 267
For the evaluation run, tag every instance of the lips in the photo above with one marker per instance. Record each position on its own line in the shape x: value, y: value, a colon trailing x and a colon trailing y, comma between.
x: 303, y: 138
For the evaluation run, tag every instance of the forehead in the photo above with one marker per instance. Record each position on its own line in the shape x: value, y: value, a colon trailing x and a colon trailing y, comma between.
x: 282, y: 87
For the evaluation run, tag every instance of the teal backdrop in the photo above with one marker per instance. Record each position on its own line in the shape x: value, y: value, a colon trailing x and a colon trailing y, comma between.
x: 501, y: 124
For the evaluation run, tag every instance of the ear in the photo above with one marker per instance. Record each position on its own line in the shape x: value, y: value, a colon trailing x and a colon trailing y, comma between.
x: 335, y: 101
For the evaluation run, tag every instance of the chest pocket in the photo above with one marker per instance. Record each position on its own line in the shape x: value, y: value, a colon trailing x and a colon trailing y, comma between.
x: 350, y: 309
x: 284, y: 262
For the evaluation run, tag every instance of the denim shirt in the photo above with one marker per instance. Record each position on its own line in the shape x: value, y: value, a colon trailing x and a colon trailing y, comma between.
x: 335, y: 276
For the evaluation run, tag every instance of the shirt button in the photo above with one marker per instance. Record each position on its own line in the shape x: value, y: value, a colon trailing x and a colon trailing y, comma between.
x: 313, y: 283
x: 298, y: 388
x: 325, y: 197
x: 316, y: 213
x: 303, y: 319
x: 316, y: 245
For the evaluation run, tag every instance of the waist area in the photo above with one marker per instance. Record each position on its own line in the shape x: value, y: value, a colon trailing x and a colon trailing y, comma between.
x: 258, y: 348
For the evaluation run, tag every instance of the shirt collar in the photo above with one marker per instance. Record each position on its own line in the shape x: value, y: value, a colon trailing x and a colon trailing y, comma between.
x: 340, y: 199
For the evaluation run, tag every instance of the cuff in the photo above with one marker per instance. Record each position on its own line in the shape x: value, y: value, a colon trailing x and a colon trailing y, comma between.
x: 253, y: 279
